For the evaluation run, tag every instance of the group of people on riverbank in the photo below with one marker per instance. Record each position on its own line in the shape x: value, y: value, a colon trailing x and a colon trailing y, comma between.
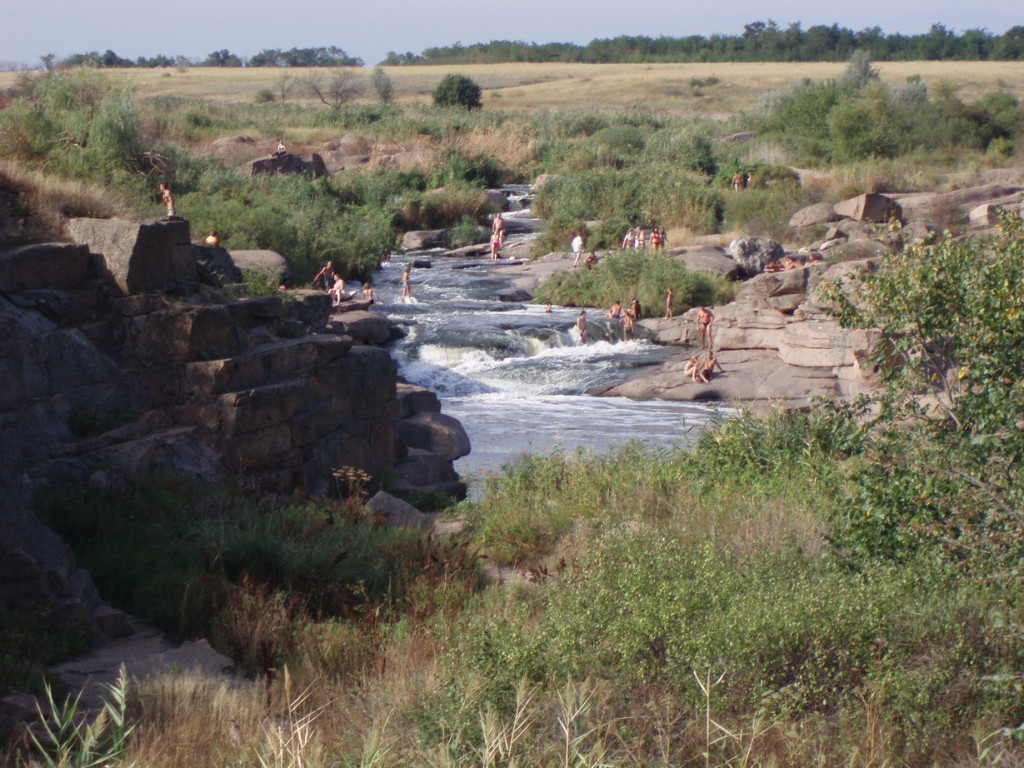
x: 329, y: 280
x: 637, y: 238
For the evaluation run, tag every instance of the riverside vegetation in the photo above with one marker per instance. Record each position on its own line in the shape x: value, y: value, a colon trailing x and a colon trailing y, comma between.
x: 835, y: 587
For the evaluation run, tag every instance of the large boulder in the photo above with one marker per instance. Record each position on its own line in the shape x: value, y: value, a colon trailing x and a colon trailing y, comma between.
x: 870, y: 207
x: 350, y: 144
x: 214, y: 265
x: 267, y: 261
x: 819, y: 213
x: 311, y: 164
x: 434, y: 432
x: 421, y: 240
x: 395, y: 513
x: 59, y: 266
x: 754, y: 253
x: 707, y: 258
x: 364, y: 327
x: 148, y: 256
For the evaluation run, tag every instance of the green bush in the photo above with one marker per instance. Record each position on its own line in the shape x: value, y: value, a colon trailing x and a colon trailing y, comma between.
x: 635, y: 274
x: 457, y: 91
x: 664, y: 195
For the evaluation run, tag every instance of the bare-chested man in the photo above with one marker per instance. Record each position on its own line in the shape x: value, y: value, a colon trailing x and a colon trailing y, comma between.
x: 581, y: 326
x: 498, y: 228
x: 705, y: 321
x: 707, y: 367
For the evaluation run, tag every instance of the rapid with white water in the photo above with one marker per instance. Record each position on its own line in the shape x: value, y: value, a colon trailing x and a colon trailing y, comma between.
x: 516, y: 375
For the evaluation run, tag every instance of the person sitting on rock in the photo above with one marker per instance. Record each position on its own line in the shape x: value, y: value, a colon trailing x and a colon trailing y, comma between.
x: 772, y: 267
x: 691, y: 368
x: 707, y: 367
x: 591, y: 260
x: 788, y: 262
x: 368, y: 293
x: 337, y: 291
x: 616, y: 311
x: 280, y: 149
x: 213, y: 238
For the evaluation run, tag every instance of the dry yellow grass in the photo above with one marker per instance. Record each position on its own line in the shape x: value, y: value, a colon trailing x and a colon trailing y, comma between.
x: 541, y: 87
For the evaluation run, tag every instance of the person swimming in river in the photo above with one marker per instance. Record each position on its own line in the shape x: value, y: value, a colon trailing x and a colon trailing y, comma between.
x: 705, y: 321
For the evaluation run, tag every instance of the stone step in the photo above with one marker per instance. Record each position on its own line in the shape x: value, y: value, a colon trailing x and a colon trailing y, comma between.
x: 267, y: 364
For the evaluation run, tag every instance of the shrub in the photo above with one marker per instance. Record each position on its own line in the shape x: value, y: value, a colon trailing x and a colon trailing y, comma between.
x: 264, y: 96
x: 635, y: 274
x: 457, y: 91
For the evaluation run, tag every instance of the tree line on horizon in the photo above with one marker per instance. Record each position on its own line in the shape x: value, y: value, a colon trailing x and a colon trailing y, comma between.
x: 759, y: 41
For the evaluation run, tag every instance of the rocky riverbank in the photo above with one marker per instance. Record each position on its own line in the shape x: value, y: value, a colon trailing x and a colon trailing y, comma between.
x: 133, y: 352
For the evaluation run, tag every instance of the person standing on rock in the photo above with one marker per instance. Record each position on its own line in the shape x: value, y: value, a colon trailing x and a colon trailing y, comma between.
x: 581, y: 326
x: 668, y: 304
x: 657, y: 243
x: 167, y: 198
x: 737, y: 181
x: 577, y: 248
x: 640, y: 240
x: 705, y: 321
x: 326, y: 277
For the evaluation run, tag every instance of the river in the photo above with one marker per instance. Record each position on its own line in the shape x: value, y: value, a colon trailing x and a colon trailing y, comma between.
x: 516, y: 375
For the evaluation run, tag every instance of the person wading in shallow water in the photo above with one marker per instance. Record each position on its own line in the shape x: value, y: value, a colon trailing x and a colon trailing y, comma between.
x: 406, y: 288
x: 581, y: 326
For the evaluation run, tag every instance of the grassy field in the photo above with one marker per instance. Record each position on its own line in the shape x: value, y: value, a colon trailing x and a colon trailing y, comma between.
x: 713, y: 90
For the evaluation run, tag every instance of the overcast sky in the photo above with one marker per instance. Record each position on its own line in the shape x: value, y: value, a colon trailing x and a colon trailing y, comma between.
x: 370, y: 28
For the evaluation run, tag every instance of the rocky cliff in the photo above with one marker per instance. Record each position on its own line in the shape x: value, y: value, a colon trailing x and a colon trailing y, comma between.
x: 125, y: 354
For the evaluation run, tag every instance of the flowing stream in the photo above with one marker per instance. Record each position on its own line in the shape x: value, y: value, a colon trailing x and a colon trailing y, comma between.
x: 516, y: 375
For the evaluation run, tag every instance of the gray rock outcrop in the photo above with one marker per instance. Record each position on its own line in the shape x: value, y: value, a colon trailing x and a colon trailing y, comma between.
x: 309, y: 164
x: 774, y: 342
x: 108, y: 379
x: 752, y: 254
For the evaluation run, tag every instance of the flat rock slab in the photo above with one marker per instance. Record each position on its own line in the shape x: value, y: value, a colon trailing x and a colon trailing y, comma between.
x: 751, y: 374
x: 145, y: 653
